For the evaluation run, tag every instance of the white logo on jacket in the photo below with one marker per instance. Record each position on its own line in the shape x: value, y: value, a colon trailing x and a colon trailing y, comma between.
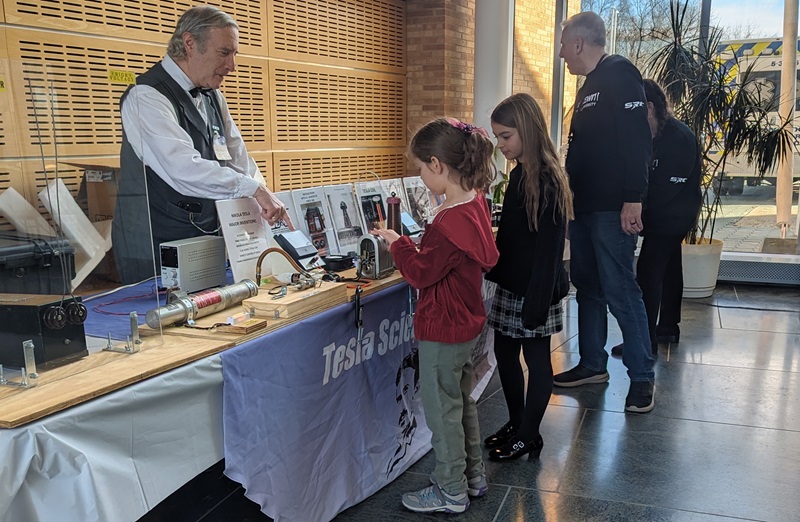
x: 634, y: 104
x: 589, y: 101
x: 676, y: 179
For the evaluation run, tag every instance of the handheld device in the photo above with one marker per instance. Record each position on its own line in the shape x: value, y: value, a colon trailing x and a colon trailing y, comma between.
x: 410, y: 227
x: 300, y: 248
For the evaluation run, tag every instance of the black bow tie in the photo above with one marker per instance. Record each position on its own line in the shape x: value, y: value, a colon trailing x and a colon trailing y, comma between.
x: 194, y: 91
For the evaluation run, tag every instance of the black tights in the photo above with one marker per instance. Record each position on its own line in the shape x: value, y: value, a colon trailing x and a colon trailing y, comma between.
x: 525, y: 410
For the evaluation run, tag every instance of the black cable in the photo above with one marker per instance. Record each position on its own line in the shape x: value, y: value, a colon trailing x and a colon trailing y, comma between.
x: 212, y: 327
x: 99, y: 308
x: 332, y: 277
x: 66, y: 287
x: 66, y: 280
x: 353, y: 280
x: 714, y: 305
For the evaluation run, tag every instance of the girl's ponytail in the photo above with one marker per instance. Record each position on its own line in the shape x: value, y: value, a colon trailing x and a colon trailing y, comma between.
x: 466, y: 149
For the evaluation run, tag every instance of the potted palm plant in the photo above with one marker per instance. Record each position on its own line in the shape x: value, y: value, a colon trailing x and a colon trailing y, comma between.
x: 498, y: 186
x: 725, y: 108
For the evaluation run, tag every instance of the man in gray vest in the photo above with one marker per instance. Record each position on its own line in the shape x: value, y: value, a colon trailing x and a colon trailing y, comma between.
x: 181, y: 149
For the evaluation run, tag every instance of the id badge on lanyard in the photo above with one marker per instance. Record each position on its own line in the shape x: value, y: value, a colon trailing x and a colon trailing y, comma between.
x: 220, y: 147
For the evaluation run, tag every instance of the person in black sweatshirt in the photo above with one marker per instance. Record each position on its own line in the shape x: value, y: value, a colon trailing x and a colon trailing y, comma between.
x: 670, y: 211
x: 607, y: 161
x: 530, y: 275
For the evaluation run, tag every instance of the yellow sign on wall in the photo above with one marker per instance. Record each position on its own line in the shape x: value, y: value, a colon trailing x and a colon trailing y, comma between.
x: 2, y: 84
x: 126, y: 77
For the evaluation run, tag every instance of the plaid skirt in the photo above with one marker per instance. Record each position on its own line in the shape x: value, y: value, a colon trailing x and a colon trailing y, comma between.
x: 505, y: 316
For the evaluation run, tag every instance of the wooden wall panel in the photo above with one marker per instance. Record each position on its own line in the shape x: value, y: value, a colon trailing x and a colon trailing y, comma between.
x: 361, y: 33
x: 9, y: 142
x: 264, y: 162
x: 334, y: 78
x: 86, y: 101
x: 319, y: 107
x: 70, y: 84
x: 247, y: 93
x: 146, y: 20
x: 315, y: 168
x: 10, y: 177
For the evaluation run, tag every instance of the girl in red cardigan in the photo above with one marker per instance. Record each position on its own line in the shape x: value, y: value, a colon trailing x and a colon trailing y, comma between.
x: 454, y: 159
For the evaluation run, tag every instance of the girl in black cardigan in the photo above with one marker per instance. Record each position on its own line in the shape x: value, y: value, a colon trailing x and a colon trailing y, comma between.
x: 530, y: 275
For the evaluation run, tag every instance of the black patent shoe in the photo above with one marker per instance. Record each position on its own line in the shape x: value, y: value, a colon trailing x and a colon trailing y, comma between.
x: 503, y: 435
x: 515, y: 448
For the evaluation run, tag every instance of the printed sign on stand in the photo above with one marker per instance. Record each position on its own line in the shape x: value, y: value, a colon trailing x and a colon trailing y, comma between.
x: 246, y: 235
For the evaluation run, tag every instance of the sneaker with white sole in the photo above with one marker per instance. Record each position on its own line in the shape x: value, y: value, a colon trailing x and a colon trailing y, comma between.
x: 476, y: 486
x: 579, y: 376
x: 640, y: 397
x: 434, y: 500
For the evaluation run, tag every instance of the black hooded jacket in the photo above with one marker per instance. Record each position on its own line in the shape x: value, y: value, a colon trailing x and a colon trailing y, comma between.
x: 673, y: 193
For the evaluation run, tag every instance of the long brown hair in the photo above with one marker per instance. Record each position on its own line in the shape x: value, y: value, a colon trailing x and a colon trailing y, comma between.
x: 541, y: 168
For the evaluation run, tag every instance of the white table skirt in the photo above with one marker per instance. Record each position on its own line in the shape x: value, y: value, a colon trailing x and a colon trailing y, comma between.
x: 116, y: 457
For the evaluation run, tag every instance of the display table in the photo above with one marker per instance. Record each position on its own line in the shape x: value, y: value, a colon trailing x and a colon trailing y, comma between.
x: 318, y: 418
x: 99, y: 374
x: 115, y: 457
x: 310, y: 427
x: 314, y: 424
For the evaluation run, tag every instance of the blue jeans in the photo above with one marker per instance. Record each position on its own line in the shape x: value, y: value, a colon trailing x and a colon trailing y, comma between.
x: 601, y: 267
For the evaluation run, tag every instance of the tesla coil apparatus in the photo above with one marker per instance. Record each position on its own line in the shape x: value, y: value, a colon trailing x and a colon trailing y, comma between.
x: 375, y: 258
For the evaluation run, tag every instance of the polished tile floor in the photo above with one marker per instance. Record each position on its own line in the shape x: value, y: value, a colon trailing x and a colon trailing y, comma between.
x: 723, y: 442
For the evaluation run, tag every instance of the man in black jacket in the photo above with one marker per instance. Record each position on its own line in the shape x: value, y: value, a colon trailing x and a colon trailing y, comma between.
x: 609, y: 153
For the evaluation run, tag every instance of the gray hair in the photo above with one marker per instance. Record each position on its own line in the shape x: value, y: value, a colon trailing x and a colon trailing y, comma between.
x: 589, y: 26
x: 197, y: 21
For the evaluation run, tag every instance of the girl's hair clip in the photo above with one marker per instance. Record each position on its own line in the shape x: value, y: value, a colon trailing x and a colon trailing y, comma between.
x: 467, y: 128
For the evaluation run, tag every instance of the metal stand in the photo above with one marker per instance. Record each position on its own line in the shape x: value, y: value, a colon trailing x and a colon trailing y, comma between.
x: 29, y: 378
x: 359, y: 317
x: 133, y: 341
x: 412, y: 301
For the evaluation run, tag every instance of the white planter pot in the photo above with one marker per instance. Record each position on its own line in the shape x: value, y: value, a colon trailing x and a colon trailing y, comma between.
x: 700, y: 268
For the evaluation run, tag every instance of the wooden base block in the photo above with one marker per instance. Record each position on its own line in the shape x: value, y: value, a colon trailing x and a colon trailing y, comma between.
x: 245, y: 327
x: 294, y: 303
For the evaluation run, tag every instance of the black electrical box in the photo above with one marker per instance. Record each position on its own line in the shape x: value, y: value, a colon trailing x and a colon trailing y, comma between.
x: 31, y: 264
x: 53, y: 323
